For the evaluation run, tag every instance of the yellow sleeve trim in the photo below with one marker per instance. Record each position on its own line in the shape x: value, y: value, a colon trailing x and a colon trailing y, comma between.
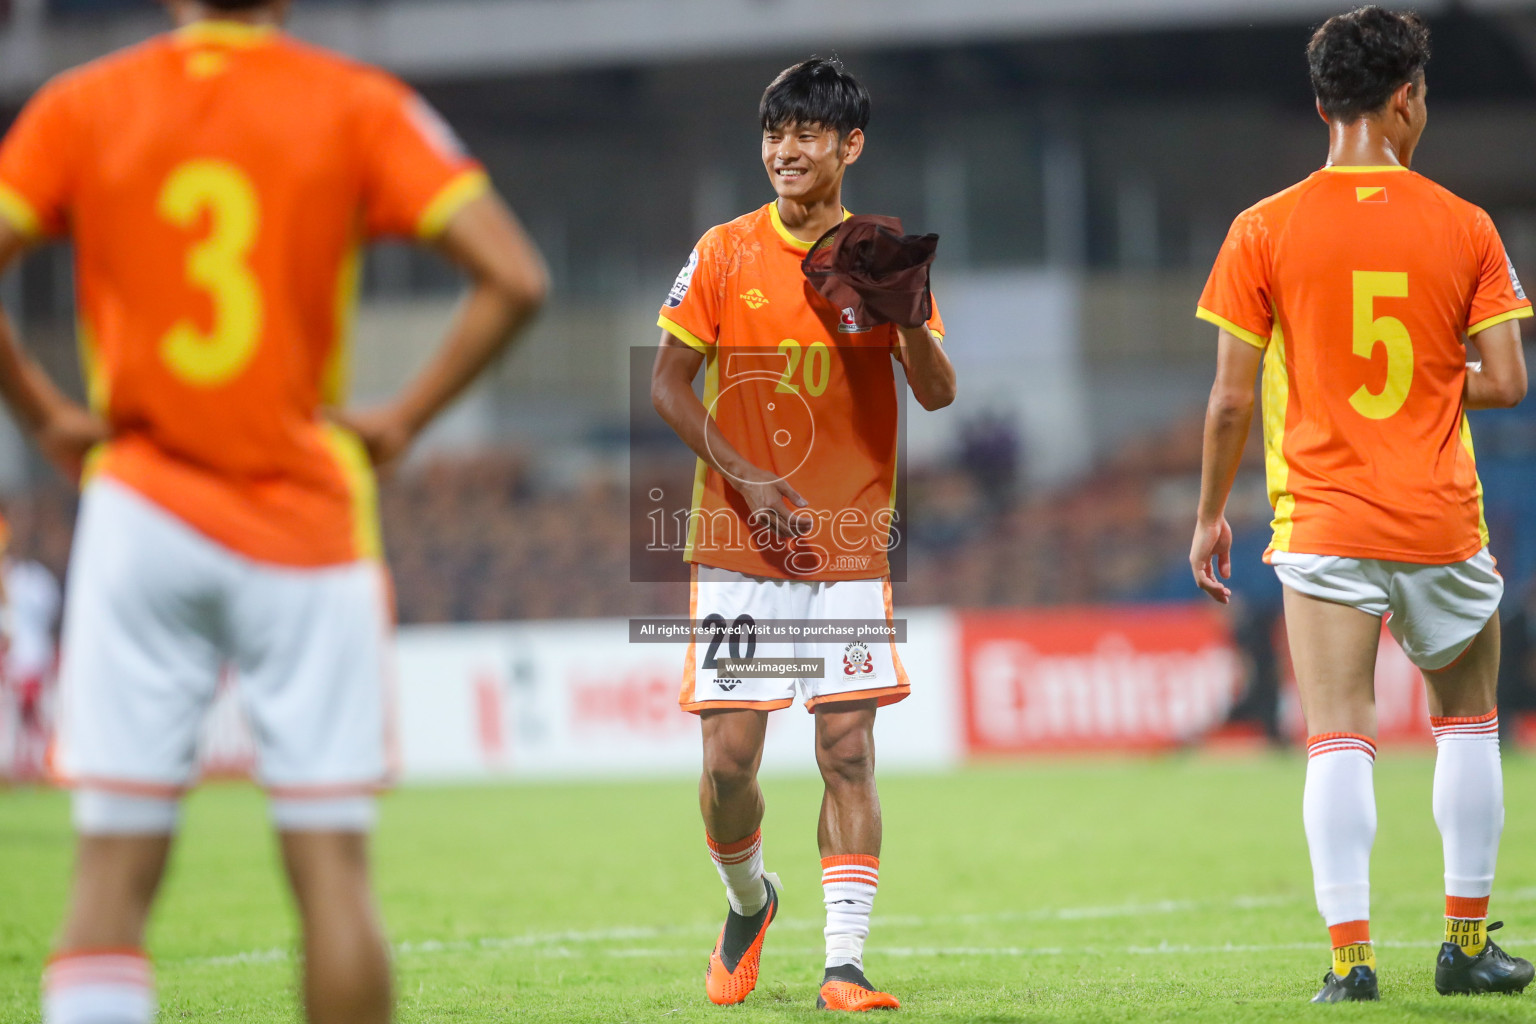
x: 1257, y: 341
x: 19, y: 212
x: 1514, y: 314
x: 456, y: 195
x: 682, y: 334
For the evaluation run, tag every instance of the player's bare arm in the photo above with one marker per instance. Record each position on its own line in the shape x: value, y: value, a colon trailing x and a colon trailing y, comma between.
x: 509, y: 286
x: 766, y: 494
x: 64, y: 430
x: 930, y: 374
x: 1498, y: 380
x: 1228, y: 415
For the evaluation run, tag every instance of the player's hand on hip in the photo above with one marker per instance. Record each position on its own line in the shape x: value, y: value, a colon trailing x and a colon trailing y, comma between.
x: 766, y: 498
x: 69, y: 433
x: 1213, y: 542
x: 385, y: 432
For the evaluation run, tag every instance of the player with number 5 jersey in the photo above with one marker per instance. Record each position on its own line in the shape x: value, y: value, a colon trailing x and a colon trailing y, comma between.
x: 218, y: 183
x: 1359, y: 290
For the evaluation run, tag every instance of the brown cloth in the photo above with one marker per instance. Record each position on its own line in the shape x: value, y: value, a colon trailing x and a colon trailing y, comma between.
x: 867, y: 266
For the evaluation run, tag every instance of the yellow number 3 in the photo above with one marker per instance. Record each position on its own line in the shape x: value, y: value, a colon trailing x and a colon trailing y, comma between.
x: 217, y: 265
x: 1371, y: 330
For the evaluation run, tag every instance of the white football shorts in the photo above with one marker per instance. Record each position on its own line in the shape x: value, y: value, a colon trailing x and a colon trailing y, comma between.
x: 852, y: 671
x: 154, y: 614
x: 1434, y: 611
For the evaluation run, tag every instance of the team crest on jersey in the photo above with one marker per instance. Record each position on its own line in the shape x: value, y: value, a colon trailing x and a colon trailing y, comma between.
x: 848, y: 323
x: 856, y: 660
x: 755, y: 298
x: 684, y: 279
x: 1514, y: 279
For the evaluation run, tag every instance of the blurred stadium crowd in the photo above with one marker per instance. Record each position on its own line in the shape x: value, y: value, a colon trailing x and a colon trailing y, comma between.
x: 1099, y: 166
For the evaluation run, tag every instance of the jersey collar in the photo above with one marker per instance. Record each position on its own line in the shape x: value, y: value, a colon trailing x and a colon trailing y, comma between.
x: 224, y: 32
x: 1362, y: 169
x: 789, y: 236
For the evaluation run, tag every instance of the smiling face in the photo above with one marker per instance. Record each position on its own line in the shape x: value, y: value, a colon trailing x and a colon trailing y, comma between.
x: 806, y: 162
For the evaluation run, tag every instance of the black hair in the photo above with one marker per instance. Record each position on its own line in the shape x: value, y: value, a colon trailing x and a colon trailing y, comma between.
x: 819, y: 91
x: 236, y: 5
x: 1358, y: 60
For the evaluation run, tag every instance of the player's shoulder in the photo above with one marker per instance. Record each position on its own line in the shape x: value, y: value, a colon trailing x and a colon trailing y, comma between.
x: 1274, y: 210
x: 734, y: 235
x: 105, y: 73
x: 347, y: 75
x: 1258, y: 228
x: 1468, y: 213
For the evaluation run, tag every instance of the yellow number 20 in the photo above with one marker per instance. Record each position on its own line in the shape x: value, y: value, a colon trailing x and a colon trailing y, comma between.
x: 818, y: 367
x: 1371, y: 330
x: 217, y: 265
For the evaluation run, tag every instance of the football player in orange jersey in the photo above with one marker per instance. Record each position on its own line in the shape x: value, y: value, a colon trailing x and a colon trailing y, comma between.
x: 791, y: 517
x: 217, y: 184
x: 1358, y: 289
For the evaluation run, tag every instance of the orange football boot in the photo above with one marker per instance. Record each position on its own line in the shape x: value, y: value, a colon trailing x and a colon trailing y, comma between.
x: 732, y: 972
x: 844, y: 987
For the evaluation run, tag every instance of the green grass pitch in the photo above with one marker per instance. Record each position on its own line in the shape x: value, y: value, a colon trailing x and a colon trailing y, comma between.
x: 1171, y: 889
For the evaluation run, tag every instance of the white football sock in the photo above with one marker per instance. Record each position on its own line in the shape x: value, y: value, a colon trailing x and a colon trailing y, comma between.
x: 848, y: 885
x: 108, y: 987
x: 1339, y: 809
x: 1469, y: 801
x: 741, y: 869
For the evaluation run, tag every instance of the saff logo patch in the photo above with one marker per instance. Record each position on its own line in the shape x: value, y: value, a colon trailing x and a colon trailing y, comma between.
x: 1514, y: 278
x: 1371, y: 194
x: 684, y: 278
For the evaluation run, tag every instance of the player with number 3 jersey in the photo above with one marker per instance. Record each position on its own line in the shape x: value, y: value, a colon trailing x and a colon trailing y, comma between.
x: 1359, y: 291
x: 217, y: 184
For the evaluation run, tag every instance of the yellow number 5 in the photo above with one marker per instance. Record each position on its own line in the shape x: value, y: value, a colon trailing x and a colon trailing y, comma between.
x: 218, y: 265
x: 1371, y: 330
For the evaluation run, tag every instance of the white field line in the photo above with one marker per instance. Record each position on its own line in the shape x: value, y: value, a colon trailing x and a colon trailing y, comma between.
x: 557, y: 944
x: 916, y: 952
x: 632, y: 934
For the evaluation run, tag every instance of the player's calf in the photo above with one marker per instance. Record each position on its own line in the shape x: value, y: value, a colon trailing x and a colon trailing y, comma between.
x: 100, y: 972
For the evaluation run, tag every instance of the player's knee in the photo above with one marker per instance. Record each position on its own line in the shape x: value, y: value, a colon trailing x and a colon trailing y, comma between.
x: 849, y: 761
x: 729, y: 770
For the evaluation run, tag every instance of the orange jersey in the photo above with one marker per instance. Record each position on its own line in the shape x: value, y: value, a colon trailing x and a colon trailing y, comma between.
x: 217, y: 184
x: 800, y: 389
x: 1360, y: 284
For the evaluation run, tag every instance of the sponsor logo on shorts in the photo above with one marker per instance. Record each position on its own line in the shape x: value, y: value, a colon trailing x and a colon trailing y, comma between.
x: 857, y: 661
x: 727, y: 684
x: 684, y: 279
